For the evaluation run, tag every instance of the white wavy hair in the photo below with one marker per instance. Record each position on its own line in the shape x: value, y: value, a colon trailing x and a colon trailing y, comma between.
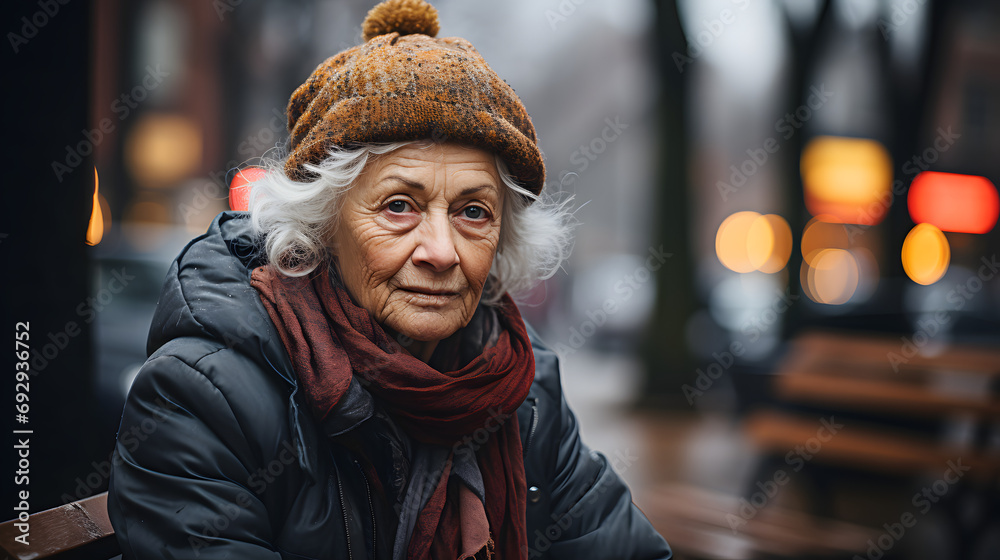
x: 296, y: 218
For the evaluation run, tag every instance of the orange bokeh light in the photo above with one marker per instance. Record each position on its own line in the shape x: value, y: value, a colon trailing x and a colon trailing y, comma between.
x: 926, y: 254
x: 821, y: 233
x: 731, y: 241
x: 163, y: 149
x: 748, y: 241
x: 95, y: 229
x: 834, y: 277
x: 780, y: 244
x: 847, y: 180
x: 954, y: 202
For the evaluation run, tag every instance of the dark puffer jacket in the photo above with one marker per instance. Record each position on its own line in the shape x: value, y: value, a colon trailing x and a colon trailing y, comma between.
x: 217, y: 456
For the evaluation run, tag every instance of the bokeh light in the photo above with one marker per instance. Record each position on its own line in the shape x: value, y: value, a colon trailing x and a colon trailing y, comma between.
x: 833, y: 278
x: 847, y: 180
x: 833, y: 271
x: 95, y: 229
x: 954, y: 202
x: 162, y: 149
x: 780, y: 243
x: 820, y: 234
x: 731, y: 241
x: 239, y: 188
x: 926, y: 254
x: 747, y: 241
x: 151, y: 211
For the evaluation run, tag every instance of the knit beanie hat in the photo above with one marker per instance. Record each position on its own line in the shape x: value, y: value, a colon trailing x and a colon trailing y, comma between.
x: 404, y: 84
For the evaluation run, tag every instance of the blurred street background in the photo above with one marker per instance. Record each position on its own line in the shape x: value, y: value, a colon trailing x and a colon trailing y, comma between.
x: 780, y: 321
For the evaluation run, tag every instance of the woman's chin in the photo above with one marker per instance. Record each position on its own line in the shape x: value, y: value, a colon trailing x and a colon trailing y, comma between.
x: 430, y: 330
x: 427, y: 319
x: 426, y: 325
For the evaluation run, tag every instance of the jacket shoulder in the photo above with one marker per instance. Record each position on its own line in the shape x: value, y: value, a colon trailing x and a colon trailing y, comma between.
x: 547, y: 377
x: 212, y: 380
x: 207, y: 295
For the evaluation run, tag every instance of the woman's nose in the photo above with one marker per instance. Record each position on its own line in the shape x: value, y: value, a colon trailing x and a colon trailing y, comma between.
x: 436, y: 246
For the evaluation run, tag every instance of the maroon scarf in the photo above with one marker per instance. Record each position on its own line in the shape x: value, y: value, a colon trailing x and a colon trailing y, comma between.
x: 330, y: 339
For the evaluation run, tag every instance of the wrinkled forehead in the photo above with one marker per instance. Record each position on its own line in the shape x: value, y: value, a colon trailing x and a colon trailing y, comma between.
x: 424, y: 165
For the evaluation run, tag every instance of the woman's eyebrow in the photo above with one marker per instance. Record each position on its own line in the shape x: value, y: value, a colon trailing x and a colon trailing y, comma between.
x: 472, y: 190
x: 408, y: 182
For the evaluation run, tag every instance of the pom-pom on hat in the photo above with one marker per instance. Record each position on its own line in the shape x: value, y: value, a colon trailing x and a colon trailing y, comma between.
x: 407, y: 17
x: 405, y: 84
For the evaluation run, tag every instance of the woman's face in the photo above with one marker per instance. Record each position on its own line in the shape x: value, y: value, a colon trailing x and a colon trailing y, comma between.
x: 417, y: 236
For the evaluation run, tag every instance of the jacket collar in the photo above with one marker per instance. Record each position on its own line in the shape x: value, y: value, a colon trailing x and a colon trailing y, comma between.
x: 207, y: 294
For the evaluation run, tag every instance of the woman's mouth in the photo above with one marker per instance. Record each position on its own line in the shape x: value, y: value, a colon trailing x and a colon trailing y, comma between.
x: 432, y: 296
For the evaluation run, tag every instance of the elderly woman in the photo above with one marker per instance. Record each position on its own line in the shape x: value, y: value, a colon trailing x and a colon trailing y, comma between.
x: 342, y: 373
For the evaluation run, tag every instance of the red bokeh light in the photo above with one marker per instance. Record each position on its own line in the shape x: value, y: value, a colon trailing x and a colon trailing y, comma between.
x: 954, y: 202
x: 239, y: 188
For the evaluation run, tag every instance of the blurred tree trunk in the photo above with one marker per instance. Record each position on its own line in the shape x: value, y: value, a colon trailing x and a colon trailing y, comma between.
x: 664, y: 350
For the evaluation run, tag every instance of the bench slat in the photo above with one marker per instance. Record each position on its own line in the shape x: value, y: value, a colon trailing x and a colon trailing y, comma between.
x: 76, y: 530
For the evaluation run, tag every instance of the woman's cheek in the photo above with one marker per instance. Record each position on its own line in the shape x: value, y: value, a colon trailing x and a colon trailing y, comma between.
x: 480, y: 260
x: 488, y: 231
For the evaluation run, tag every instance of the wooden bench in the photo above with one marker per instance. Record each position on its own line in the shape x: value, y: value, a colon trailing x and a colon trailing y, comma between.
x: 866, y: 446
x: 890, y: 386
x: 862, y: 373
x: 704, y: 524
x: 76, y: 531
x: 873, y: 373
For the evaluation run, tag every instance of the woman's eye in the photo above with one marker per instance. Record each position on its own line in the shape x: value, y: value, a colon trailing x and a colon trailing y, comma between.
x: 399, y: 206
x: 474, y: 212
